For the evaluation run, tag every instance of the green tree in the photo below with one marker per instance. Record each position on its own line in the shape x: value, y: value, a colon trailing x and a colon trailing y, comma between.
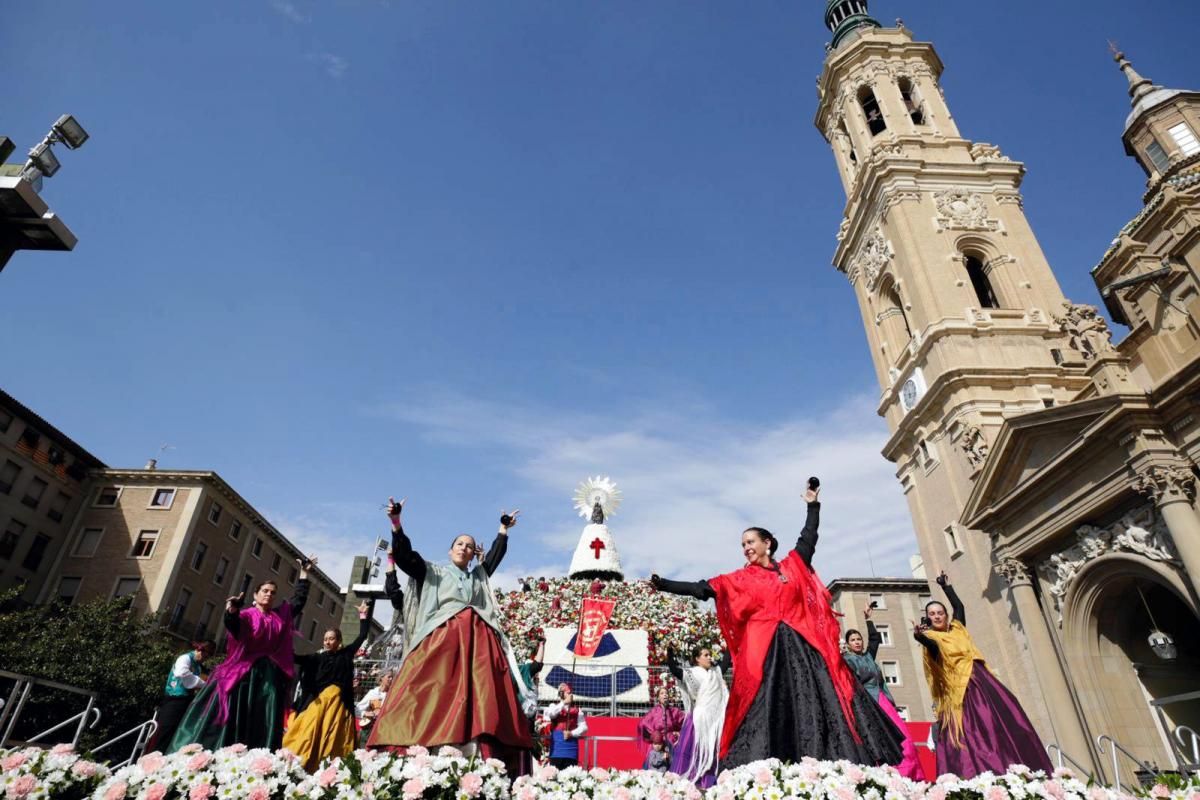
x: 100, y: 645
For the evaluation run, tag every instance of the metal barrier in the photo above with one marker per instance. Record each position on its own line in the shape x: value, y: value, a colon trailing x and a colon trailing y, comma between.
x: 1181, y: 737
x: 144, y: 733
x: 17, y: 698
x: 1116, y: 762
x: 1186, y: 739
x: 1057, y: 753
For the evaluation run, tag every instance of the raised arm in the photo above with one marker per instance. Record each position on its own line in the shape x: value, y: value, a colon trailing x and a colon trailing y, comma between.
x: 874, y: 639
x: 673, y: 664
x: 364, y: 627
x: 407, y: 559
x: 806, y: 545
x: 391, y: 586
x: 495, y: 555
x: 233, y: 615
x: 300, y: 596
x: 956, y: 607
x: 923, y: 640
x: 697, y: 589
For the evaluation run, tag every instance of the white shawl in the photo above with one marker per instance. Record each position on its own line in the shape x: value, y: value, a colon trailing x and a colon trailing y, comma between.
x: 706, y: 694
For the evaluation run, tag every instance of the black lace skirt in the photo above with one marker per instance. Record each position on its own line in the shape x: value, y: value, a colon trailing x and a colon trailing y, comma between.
x: 796, y: 713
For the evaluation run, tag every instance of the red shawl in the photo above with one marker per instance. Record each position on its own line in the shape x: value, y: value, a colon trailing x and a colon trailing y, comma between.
x: 751, y: 603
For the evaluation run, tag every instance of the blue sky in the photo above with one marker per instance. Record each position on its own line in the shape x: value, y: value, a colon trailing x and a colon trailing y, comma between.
x: 473, y: 252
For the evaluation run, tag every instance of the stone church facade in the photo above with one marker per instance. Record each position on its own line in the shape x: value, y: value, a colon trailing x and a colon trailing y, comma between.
x: 1049, y: 472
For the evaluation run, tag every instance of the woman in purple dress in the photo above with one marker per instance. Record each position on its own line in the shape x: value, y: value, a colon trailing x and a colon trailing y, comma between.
x: 981, y: 726
x: 246, y: 698
x: 664, y: 720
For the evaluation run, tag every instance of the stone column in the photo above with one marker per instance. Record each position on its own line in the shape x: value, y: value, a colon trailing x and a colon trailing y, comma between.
x: 1064, y: 719
x: 1172, y: 488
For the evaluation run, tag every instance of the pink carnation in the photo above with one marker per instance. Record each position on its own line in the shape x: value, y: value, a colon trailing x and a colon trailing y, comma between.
x: 996, y: 793
x: 201, y: 791
x: 763, y: 775
x: 116, y: 791
x: 1054, y: 789
x: 1160, y: 790
x: 157, y: 791
x: 13, y: 761
x: 936, y: 793
x: 845, y: 793
x: 194, y: 747
x: 413, y: 788
x: 416, y: 750
x: 84, y: 769
x: 856, y: 774
x: 663, y: 794
x: 151, y: 763
x: 62, y: 749
x: 527, y: 793
x: 599, y: 773
x: 471, y: 783
x: 199, y: 761
x: 22, y: 786
x: 547, y: 772
x: 259, y: 793
x: 621, y: 793
x: 1097, y: 793
x: 326, y: 777
x: 262, y: 765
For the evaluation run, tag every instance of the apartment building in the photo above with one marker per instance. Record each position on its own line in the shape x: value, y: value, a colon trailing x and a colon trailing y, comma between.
x: 898, y: 601
x: 181, y: 542
x: 43, y: 480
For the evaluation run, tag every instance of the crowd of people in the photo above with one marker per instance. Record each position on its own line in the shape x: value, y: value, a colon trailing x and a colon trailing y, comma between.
x: 800, y: 685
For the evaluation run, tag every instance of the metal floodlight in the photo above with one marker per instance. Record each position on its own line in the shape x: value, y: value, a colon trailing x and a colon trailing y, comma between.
x: 382, y: 544
x: 44, y: 159
x: 1163, y: 645
x: 70, y: 132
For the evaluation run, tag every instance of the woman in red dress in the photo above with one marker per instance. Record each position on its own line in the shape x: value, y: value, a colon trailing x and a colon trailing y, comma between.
x: 792, y: 694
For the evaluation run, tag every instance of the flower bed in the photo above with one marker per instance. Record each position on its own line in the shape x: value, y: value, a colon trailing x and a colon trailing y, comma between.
x: 56, y: 774
x: 233, y: 773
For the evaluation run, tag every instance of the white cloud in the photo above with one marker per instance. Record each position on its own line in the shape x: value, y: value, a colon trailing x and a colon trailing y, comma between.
x: 335, y: 66
x: 693, y: 482
x: 290, y: 11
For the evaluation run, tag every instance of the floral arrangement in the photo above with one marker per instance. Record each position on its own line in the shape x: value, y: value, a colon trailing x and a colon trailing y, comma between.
x: 56, y: 774
x: 672, y: 621
x: 194, y: 773
x: 841, y: 780
x: 576, y: 783
x: 418, y: 775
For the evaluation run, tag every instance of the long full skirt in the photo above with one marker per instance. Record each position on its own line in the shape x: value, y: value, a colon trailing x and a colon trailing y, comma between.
x: 687, y: 757
x: 910, y: 767
x: 170, y: 712
x: 796, y: 713
x: 455, y: 688
x: 257, y: 704
x: 996, y: 733
x: 323, y: 730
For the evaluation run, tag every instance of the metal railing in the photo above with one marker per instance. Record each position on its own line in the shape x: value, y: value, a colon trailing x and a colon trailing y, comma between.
x: 1181, y: 737
x: 1187, y: 748
x: 1117, y: 750
x: 144, y: 732
x: 1059, y: 756
x: 19, y: 696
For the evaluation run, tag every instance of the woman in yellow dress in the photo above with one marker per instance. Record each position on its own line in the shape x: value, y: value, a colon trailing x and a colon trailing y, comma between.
x: 323, y: 727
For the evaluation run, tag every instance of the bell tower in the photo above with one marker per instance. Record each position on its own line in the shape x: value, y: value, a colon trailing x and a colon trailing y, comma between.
x: 960, y: 307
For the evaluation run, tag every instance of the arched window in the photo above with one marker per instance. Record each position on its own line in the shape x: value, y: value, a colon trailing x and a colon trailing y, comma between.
x: 892, y: 296
x: 912, y: 101
x: 850, y: 154
x: 870, y: 107
x: 980, y: 282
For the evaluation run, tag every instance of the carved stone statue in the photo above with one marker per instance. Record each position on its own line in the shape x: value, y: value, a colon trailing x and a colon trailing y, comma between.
x: 974, y: 444
x: 1087, y: 331
x: 1140, y: 530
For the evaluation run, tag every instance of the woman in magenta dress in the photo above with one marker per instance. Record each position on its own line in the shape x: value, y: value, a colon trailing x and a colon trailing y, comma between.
x: 792, y: 694
x: 664, y: 720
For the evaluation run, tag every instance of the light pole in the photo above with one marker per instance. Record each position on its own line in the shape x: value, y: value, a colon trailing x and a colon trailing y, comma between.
x: 26, y: 222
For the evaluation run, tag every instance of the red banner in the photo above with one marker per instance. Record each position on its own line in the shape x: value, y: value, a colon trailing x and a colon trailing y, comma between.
x: 594, y: 616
